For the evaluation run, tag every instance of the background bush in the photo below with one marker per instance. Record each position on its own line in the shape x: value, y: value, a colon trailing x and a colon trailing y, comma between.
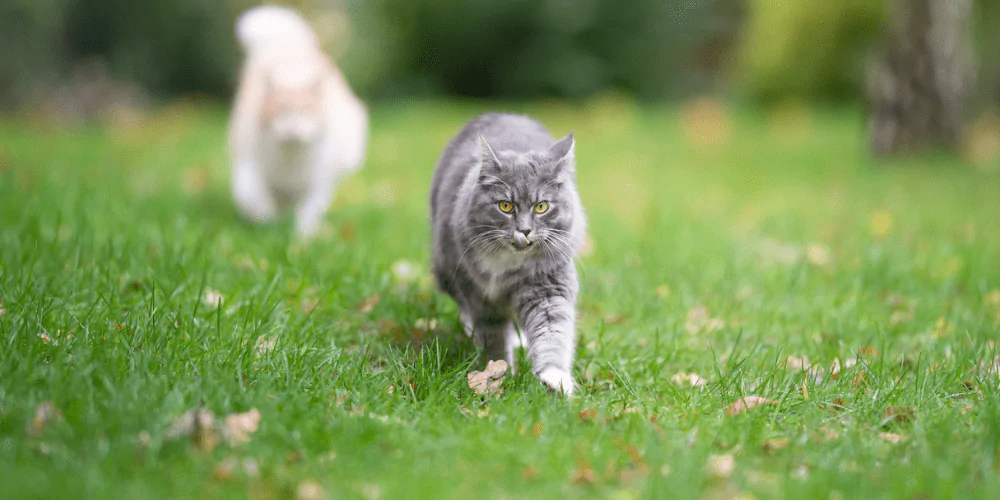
x: 511, y: 49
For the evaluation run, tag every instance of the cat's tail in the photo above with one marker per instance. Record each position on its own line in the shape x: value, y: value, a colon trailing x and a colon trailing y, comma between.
x: 270, y: 25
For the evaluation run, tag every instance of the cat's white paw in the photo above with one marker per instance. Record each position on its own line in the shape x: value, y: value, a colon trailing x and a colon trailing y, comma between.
x: 557, y: 379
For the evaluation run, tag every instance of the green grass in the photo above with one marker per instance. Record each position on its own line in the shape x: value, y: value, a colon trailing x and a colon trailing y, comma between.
x: 722, y: 260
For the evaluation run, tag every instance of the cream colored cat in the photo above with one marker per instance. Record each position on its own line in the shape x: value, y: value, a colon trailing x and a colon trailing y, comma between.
x: 297, y: 127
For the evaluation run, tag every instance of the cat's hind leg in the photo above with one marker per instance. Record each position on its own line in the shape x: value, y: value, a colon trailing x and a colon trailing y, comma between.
x: 252, y: 195
x: 491, y: 335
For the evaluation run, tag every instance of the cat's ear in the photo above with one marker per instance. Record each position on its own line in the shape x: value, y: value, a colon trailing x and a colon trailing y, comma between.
x: 563, y: 154
x: 490, y: 162
x: 563, y: 149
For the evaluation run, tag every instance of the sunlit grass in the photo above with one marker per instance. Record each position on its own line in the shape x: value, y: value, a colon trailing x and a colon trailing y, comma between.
x: 732, y: 255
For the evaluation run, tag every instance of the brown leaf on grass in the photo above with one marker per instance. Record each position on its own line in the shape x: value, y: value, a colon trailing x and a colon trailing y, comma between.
x: 798, y: 363
x: 529, y: 473
x: 224, y: 470
x: 197, y: 425
x: 368, y: 305
x: 720, y: 465
x: 264, y: 345
x: 309, y: 490
x: 699, y: 321
x: 44, y: 412
x: 743, y: 404
x: 238, y: 427
x: 348, y: 231
x: 614, y: 319
x: 584, y: 473
x: 587, y: 415
x: 775, y: 444
x: 213, y: 298
x: 196, y: 179
x: 867, y: 350
x: 536, y: 430
x: 485, y: 412
x: 899, y: 414
x: 691, y: 378
x: 827, y: 433
x: 891, y: 437
x: 489, y: 380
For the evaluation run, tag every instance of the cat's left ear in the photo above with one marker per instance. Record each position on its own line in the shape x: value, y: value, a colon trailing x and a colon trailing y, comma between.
x: 563, y: 152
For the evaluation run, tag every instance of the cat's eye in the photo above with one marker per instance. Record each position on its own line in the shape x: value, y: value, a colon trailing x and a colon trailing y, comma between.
x: 506, y: 206
x: 541, y: 207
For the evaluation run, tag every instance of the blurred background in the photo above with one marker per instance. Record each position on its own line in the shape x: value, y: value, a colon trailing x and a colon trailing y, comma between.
x: 83, y: 60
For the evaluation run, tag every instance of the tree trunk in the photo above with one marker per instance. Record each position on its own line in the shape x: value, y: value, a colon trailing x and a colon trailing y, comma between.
x: 919, y: 87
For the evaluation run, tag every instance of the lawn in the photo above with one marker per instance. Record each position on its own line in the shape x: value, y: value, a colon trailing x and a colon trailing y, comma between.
x: 732, y: 255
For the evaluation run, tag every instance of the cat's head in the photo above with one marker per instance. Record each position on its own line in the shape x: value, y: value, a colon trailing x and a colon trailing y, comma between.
x: 293, y: 110
x: 526, y: 203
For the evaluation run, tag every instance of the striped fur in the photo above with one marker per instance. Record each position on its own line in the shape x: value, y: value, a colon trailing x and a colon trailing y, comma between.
x: 507, y: 269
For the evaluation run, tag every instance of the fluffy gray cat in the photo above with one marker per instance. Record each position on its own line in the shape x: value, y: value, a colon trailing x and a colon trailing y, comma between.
x: 507, y: 223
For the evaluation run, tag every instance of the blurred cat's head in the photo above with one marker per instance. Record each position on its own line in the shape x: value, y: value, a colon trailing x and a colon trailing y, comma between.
x: 526, y: 204
x: 293, y: 109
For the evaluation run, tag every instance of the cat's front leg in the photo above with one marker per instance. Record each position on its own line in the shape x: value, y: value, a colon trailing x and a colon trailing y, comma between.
x: 310, y: 210
x: 548, y: 321
x: 251, y: 192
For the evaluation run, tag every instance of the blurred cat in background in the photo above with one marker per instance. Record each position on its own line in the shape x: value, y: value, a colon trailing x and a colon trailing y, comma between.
x: 296, y: 126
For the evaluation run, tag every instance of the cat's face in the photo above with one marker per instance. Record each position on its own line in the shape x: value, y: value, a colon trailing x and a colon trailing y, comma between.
x: 525, y: 204
x: 293, y: 115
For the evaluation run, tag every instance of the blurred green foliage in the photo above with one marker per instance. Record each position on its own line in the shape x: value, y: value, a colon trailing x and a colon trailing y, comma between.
x: 813, y: 48
x: 564, y: 48
x: 762, y: 49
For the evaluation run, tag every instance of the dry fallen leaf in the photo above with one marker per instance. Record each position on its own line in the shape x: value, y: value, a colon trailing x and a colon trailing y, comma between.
x: 197, y: 424
x: 743, y: 404
x: 529, y: 473
x: 828, y: 433
x: 239, y: 426
x: 691, y: 378
x: 213, y: 298
x: 900, y: 414
x: 309, y: 490
x: 798, y: 363
x: 44, y: 412
x: 225, y: 469
x: 584, y: 473
x: 699, y: 321
x: 587, y: 415
x: 366, y: 306
x: 489, y: 380
x: 891, y: 437
x: 818, y: 256
x: 720, y: 465
x: 775, y: 444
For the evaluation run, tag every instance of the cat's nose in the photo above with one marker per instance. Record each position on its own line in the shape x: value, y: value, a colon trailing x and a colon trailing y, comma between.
x: 525, y: 232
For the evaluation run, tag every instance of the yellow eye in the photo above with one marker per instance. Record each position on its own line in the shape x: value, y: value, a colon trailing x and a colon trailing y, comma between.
x: 541, y: 207
x: 506, y: 207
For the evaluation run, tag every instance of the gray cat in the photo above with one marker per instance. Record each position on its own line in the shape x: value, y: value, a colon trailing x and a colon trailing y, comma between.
x: 507, y: 223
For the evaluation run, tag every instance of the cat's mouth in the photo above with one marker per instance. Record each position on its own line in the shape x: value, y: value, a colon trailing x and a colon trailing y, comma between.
x: 523, y: 243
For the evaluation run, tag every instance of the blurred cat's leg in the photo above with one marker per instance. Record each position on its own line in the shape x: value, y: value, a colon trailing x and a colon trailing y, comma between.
x: 252, y: 195
x: 310, y: 210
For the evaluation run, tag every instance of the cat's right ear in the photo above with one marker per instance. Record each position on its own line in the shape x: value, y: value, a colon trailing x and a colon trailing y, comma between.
x: 490, y: 162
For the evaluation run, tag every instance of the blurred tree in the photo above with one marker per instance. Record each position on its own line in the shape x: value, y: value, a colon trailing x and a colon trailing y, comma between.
x: 920, y: 86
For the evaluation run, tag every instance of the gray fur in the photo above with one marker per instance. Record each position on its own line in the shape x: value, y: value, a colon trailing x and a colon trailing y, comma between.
x: 505, y: 268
